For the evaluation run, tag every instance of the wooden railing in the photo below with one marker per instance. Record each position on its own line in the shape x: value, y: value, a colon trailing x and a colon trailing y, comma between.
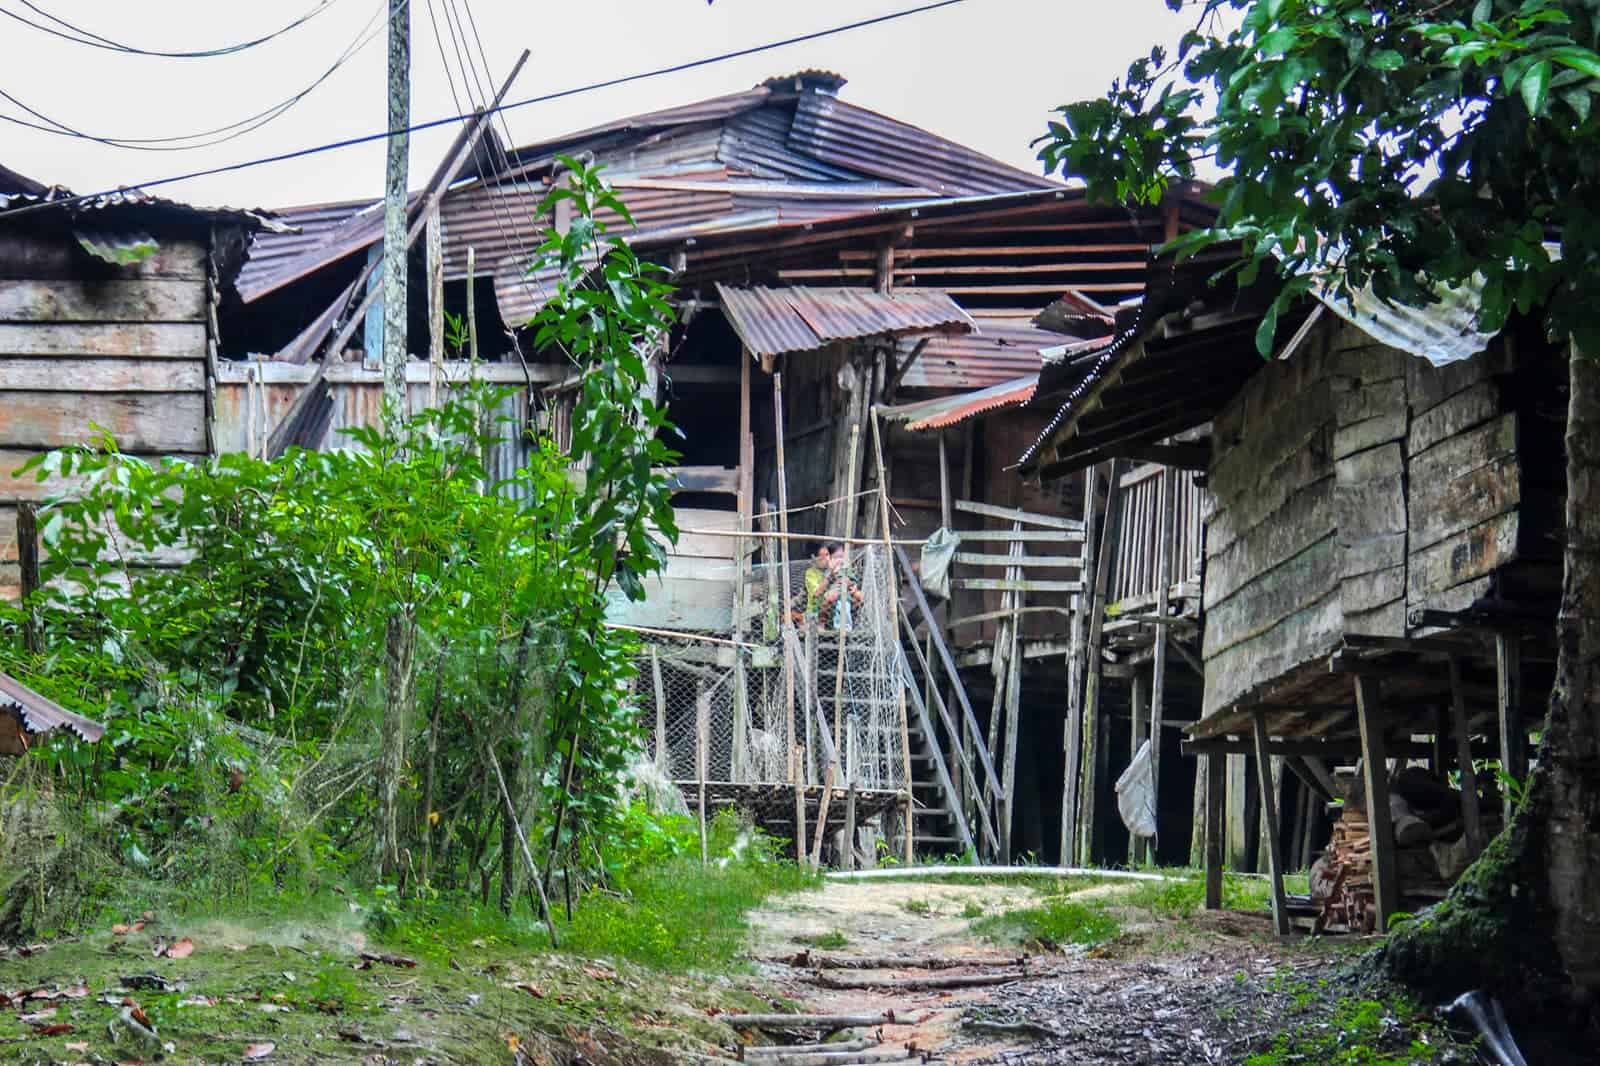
x: 1137, y: 567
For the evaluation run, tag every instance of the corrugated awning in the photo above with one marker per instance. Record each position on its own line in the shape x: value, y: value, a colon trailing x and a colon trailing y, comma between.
x: 775, y: 321
x: 943, y: 411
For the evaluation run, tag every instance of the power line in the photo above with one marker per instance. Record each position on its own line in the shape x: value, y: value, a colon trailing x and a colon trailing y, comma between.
x: 560, y: 94
x: 220, y: 135
x: 79, y: 35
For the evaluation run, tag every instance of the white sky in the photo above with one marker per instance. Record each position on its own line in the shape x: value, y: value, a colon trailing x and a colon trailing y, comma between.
x: 983, y: 72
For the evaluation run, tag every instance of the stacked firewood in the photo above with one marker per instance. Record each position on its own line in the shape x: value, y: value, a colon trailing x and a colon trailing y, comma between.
x: 1430, y: 851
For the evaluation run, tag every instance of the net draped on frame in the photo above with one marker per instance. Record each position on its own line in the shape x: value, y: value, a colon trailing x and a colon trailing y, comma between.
x: 847, y: 689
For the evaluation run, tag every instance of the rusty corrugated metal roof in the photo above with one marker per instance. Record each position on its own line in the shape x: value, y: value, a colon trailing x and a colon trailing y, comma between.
x: 803, y: 319
x: 943, y: 411
x: 1001, y: 349
x: 28, y: 712
x: 306, y: 228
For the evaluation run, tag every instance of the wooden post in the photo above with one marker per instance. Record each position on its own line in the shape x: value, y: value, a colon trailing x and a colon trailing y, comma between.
x: 1375, y: 771
x: 1215, y: 797
x: 1137, y: 727
x: 946, y: 512
x: 892, y: 621
x: 739, y: 754
x: 434, y: 243
x: 28, y: 564
x: 702, y: 743
x: 1470, y: 813
x: 1238, y: 823
x: 849, y: 534
x: 1513, y: 739
x: 662, y: 762
x: 1072, y: 742
x: 1013, y: 709
x: 472, y: 303
x: 784, y: 621
x: 1158, y: 663
x: 1197, y: 818
x: 1269, y: 816
x: 1094, y: 749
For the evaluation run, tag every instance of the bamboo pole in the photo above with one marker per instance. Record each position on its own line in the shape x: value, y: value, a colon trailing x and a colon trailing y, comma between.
x: 28, y: 565
x: 1072, y: 728
x: 702, y: 734
x: 1094, y: 748
x: 1158, y: 663
x: 661, y: 710
x: 434, y: 239
x: 739, y: 755
x: 784, y: 620
x: 1138, y: 712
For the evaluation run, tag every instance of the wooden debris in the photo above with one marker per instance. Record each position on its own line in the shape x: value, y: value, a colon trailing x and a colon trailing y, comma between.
x: 908, y: 984
x: 809, y: 1021
x: 810, y: 960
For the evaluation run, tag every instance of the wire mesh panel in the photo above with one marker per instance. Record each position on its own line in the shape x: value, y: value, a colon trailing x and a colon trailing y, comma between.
x: 793, y: 687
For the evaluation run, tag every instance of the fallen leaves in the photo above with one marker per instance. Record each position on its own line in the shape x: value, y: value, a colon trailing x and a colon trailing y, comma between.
x: 529, y: 987
x: 370, y: 957
x: 178, y: 949
x: 54, y: 1029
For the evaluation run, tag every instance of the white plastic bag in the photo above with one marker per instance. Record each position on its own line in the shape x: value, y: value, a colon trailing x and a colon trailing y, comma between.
x: 1136, y: 795
x: 937, y: 554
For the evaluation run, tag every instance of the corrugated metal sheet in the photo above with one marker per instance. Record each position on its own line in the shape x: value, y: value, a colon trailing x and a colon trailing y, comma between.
x: 943, y: 411
x: 305, y: 228
x: 1001, y: 350
x: 757, y: 143
x: 136, y: 204
x: 774, y: 321
x: 850, y: 136
x: 1441, y: 333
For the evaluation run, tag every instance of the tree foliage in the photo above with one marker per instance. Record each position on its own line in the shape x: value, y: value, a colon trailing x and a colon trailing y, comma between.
x: 228, y: 620
x: 1398, y: 146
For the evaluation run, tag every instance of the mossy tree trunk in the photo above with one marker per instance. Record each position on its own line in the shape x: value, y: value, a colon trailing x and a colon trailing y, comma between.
x: 1525, y: 919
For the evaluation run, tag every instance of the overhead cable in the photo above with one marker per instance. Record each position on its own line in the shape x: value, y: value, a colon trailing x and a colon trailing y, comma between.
x: 79, y: 35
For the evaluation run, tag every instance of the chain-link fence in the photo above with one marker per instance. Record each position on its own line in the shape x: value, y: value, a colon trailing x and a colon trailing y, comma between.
x: 791, y: 689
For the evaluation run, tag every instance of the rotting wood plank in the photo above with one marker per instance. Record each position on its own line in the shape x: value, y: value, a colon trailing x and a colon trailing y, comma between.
x: 1238, y: 513
x: 1305, y: 519
x: 1215, y: 770
x: 1237, y: 470
x: 140, y: 422
x: 26, y: 257
x: 1238, y: 828
x: 146, y: 340
x: 1427, y: 385
x: 1012, y: 514
x: 1373, y: 553
x: 1443, y: 508
x: 1469, y: 554
x: 1023, y: 561
x: 1359, y: 436
x: 1025, y: 536
x: 1461, y: 412
x: 1384, y: 620
x: 1364, y: 400
x: 1466, y: 451
x: 139, y: 300
x: 1372, y: 590
x: 1000, y: 584
x: 1375, y: 775
x: 29, y: 487
x: 1273, y: 596
x: 1309, y: 634
x: 69, y: 374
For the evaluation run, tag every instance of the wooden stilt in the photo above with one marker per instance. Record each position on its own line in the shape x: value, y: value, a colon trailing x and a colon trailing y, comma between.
x: 1513, y: 738
x: 702, y: 743
x: 1139, y: 723
x: 789, y: 665
x: 946, y: 513
x: 1013, y: 727
x: 1094, y: 749
x: 1158, y: 662
x: 1470, y: 813
x: 740, y: 755
x: 662, y: 760
x: 1269, y: 818
x: 1262, y: 854
x: 1214, y: 775
x: 1197, y: 818
x: 1375, y: 772
x: 1238, y: 823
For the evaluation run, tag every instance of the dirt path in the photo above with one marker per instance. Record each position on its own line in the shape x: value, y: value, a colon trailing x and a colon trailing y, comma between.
x: 1192, y: 993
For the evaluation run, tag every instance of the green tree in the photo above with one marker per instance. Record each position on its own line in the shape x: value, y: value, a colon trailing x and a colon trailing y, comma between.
x: 1408, y: 145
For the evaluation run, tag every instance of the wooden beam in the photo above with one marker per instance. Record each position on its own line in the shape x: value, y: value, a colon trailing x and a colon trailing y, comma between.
x: 1310, y: 749
x: 1012, y: 514
x: 1178, y: 456
x: 1375, y: 773
x: 1470, y: 812
x: 1269, y: 817
x: 1215, y: 768
x: 900, y: 368
x: 1093, y: 738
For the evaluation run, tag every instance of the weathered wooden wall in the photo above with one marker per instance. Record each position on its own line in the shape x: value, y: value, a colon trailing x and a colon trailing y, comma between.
x: 1350, y: 483
x: 84, y: 344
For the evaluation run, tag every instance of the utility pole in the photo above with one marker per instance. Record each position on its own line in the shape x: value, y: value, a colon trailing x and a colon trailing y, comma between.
x: 394, y: 214
x: 400, y: 634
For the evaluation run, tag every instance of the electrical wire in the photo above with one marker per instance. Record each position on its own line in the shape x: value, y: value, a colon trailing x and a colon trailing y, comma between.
x: 448, y: 120
x: 79, y: 35
x: 220, y: 135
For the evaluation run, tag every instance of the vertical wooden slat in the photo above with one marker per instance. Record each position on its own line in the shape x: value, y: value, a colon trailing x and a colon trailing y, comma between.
x: 1214, y: 771
x: 702, y: 745
x: 1093, y: 741
x: 946, y: 511
x: 1269, y: 816
x: 28, y: 564
x: 662, y: 762
x: 1375, y: 772
x: 1140, y: 724
x: 1239, y: 824
x: 434, y: 238
x: 1158, y: 662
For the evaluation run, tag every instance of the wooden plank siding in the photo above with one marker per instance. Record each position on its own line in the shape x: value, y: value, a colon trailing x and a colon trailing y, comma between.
x: 85, y: 348
x: 1349, y: 484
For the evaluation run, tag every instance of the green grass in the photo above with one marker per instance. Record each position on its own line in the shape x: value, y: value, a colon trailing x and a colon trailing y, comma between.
x: 832, y: 940
x: 972, y: 909
x: 1054, y: 923
x: 1044, y: 884
x: 920, y: 907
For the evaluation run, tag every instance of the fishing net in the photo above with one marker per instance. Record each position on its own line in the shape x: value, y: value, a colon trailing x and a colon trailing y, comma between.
x: 772, y: 699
